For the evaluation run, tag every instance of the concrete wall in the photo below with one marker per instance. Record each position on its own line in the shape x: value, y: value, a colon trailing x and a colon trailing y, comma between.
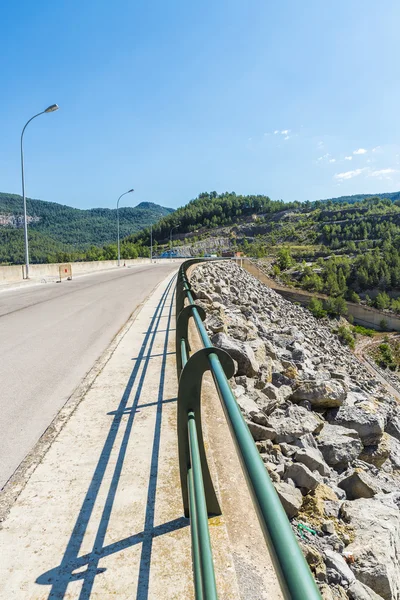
x: 363, y: 315
x: 51, y: 270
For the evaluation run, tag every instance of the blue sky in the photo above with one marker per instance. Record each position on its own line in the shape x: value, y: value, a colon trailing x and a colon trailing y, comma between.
x: 296, y: 100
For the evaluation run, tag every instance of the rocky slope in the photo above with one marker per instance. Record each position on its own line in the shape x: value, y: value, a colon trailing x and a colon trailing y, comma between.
x: 329, y: 435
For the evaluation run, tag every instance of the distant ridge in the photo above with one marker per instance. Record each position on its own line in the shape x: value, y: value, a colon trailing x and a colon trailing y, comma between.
x: 359, y: 197
x: 58, y: 227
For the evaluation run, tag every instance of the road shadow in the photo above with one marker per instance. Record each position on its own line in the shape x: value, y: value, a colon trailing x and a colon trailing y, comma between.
x: 74, y: 567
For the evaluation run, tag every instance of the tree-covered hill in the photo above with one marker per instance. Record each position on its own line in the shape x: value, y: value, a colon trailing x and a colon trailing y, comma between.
x: 211, y: 210
x: 58, y: 228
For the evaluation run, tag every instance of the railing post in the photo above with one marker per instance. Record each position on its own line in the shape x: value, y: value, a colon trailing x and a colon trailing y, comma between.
x: 189, y: 400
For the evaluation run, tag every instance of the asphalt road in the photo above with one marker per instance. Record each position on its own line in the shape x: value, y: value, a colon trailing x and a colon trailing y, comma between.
x: 50, y: 337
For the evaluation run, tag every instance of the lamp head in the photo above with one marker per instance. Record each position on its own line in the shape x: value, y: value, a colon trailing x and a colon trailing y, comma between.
x: 51, y: 108
x: 132, y: 190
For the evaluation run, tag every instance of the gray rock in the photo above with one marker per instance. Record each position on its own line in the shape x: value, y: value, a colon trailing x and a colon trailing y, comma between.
x: 259, y: 432
x: 394, y: 451
x: 302, y: 476
x: 287, y: 449
x: 333, y: 560
x: 258, y: 347
x: 393, y: 424
x: 313, y: 459
x: 359, y: 485
x: 306, y: 441
x: 359, y: 591
x: 328, y: 527
x: 250, y: 408
x: 293, y: 422
x: 331, y: 508
x: 290, y: 497
x: 339, y: 446
x: 363, y: 418
x: 376, y: 548
x: 271, y: 391
x: 239, y: 351
x: 321, y: 394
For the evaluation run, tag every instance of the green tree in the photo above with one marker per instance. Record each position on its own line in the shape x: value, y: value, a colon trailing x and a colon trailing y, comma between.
x: 315, y: 306
x: 382, y: 301
x: 284, y: 258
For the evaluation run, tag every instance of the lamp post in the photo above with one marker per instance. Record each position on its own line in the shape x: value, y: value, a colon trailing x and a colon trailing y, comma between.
x: 49, y: 109
x: 124, y: 194
x: 151, y: 243
x: 170, y: 239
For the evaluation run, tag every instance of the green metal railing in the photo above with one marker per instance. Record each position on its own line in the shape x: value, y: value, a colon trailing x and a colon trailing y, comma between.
x: 199, y: 498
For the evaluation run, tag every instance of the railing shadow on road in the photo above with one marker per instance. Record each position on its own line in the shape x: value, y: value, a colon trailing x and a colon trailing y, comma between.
x: 74, y: 567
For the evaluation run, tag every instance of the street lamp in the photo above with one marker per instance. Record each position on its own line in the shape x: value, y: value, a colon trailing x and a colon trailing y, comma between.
x: 124, y: 194
x: 151, y: 243
x: 49, y: 109
x: 170, y: 239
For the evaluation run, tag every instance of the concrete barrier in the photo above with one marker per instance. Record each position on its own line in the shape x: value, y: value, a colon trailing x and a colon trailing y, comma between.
x: 14, y: 273
x: 362, y: 315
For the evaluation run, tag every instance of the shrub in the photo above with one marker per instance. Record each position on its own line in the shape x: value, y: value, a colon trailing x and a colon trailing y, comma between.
x: 346, y: 337
x: 382, y: 301
x: 316, y: 308
x: 383, y: 324
x: 353, y: 297
x: 363, y: 331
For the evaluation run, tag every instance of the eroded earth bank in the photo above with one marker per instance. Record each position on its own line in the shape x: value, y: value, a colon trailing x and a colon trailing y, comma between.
x: 329, y: 435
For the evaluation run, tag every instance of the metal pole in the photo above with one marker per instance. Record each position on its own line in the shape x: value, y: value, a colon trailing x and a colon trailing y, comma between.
x: 151, y: 244
x: 51, y: 108
x: 119, y: 253
x: 170, y: 239
x: 203, y: 552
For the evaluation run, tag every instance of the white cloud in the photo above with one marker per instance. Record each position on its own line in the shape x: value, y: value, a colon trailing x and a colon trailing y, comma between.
x: 285, y: 131
x: 348, y: 158
x: 383, y: 172
x: 348, y: 174
x: 276, y: 131
x: 376, y: 149
x: 287, y: 137
x: 320, y: 144
x: 360, y: 151
x: 332, y: 160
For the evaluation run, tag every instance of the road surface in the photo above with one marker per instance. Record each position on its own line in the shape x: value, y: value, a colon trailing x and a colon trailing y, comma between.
x: 50, y: 337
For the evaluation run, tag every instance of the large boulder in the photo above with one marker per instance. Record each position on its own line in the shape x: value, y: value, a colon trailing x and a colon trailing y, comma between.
x: 359, y: 485
x: 241, y: 352
x: 302, y: 477
x: 333, y: 560
x: 360, y: 591
x: 290, y: 497
x: 339, y: 446
x: 293, y: 422
x: 393, y: 423
x: 313, y: 459
x: 376, y: 547
x: 259, y: 432
x: 250, y: 408
x: 377, y: 454
x: 363, y: 418
x: 321, y: 394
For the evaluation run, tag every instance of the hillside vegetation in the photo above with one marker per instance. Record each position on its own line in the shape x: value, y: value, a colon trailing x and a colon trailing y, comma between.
x: 344, y: 249
x: 59, y: 232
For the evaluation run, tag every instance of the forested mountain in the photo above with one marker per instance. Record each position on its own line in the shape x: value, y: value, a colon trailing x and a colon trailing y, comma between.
x: 55, y: 228
x: 393, y: 196
x: 211, y: 210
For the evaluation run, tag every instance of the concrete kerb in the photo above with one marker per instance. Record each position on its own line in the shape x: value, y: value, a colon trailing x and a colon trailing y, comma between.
x: 11, y: 277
